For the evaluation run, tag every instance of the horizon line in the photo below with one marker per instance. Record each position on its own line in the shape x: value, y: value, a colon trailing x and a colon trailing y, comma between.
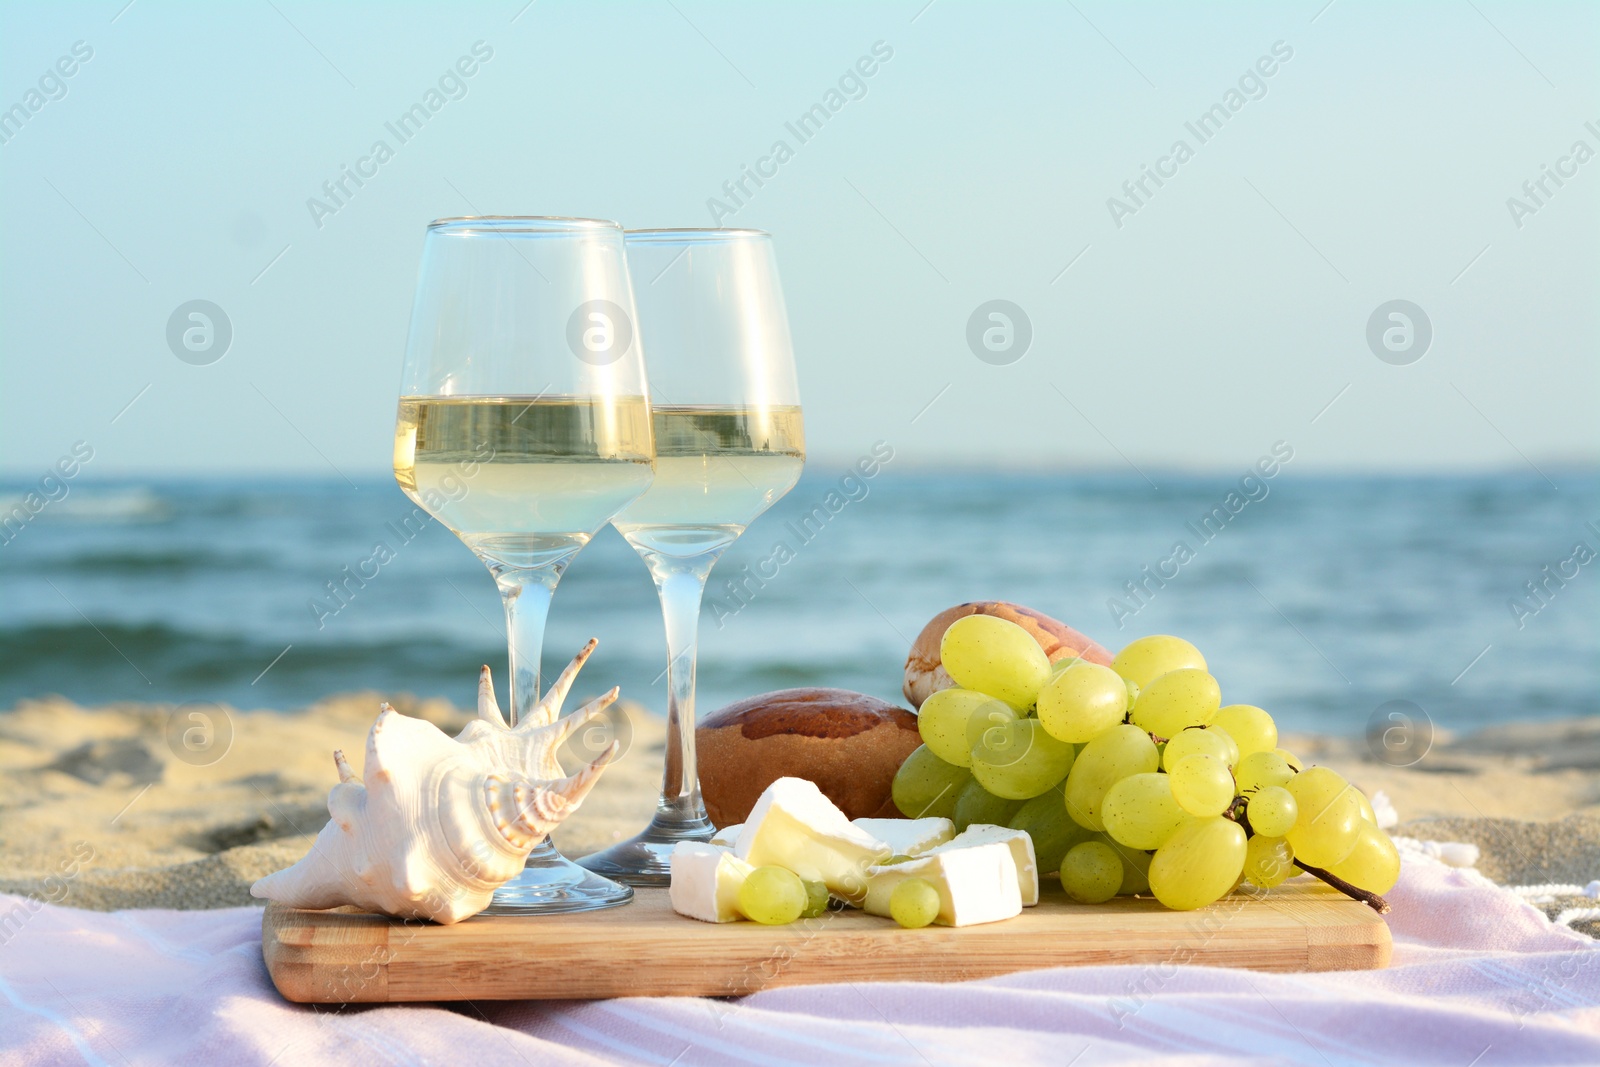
x: 19, y: 478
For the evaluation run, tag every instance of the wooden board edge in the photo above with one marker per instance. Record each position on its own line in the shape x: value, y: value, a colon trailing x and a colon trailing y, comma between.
x: 323, y: 962
x: 1357, y: 947
x: 333, y: 958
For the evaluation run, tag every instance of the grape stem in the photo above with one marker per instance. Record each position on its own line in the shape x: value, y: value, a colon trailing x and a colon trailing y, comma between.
x: 1371, y: 900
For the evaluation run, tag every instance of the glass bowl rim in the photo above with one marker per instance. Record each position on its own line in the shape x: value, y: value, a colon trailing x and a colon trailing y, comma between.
x: 525, y: 224
x: 690, y: 234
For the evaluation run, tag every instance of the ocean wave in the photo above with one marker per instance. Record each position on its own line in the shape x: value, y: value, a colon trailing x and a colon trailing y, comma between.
x: 89, y: 504
x: 108, y: 660
x: 199, y: 653
x: 96, y: 662
x: 154, y: 563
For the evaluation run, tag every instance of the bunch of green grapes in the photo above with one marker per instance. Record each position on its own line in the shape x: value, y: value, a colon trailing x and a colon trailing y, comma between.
x: 983, y: 752
x: 1132, y: 778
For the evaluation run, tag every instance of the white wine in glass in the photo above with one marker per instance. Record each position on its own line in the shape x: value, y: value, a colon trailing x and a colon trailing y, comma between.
x: 548, y: 471
x: 729, y: 442
x: 717, y: 469
x: 524, y: 426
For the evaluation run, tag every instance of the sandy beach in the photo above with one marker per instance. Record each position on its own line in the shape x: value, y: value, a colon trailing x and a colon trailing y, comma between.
x: 102, y: 786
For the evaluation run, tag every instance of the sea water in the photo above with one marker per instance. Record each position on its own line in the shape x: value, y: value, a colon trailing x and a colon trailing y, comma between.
x: 1319, y: 598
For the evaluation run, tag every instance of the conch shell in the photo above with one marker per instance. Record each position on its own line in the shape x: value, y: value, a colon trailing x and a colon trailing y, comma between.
x: 440, y: 823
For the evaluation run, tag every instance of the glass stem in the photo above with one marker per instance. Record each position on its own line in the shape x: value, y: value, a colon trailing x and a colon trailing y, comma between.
x: 526, y: 594
x: 681, y: 583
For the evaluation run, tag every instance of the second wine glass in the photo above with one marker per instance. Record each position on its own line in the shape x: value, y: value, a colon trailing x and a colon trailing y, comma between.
x: 725, y: 408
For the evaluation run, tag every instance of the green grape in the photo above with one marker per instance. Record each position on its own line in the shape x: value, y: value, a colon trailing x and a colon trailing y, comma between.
x: 1373, y: 865
x: 1133, y: 692
x: 1064, y: 664
x: 1202, y: 785
x: 1199, y: 864
x: 976, y: 806
x: 995, y: 713
x: 1135, y: 868
x: 772, y: 896
x: 1140, y: 811
x: 816, y: 899
x: 1091, y: 872
x: 1259, y: 770
x: 1329, y: 821
x: 951, y: 720
x: 1291, y: 759
x: 1020, y: 760
x: 1366, y: 808
x: 1148, y: 658
x: 926, y: 786
x: 1045, y: 820
x: 894, y: 859
x: 1268, y: 861
x: 914, y: 903
x: 1198, y: 741
x: 1272, y: 811
x: 996, y: 657
x: 1116, y: 754
x: 1176, y: 700
x: 1251, y: 728
x: 1083, y: 703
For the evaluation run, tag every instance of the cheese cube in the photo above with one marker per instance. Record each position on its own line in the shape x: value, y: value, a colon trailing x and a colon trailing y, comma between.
x: 1021, y: 851
x: 706, y: 881
x: 794, y: 825
x: 909, y: 837
x: 728, y: 836
x: 976, y: 883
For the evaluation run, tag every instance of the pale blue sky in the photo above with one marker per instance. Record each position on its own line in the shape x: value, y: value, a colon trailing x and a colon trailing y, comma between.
x: 1226, y: 313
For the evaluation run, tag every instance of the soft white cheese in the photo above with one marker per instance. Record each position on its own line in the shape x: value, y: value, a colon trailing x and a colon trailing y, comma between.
x: 706, y: 881
x: 909, y: 837
x: 794, y: 825
x: 976, y: 883
x: 1021, y: 851
x: 728, y: 836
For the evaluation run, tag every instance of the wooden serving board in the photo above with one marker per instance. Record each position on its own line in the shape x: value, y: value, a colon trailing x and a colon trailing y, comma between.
x: 646, y: 949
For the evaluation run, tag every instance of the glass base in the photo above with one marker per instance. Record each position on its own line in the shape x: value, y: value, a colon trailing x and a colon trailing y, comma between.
x: 647, y: 859
x: 551, y: 884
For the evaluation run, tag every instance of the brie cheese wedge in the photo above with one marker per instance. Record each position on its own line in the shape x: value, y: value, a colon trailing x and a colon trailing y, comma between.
x: 976, y: 883
x: 706, y: 881
x: 909, y: 837
x: 1021, y: 846
x: 794, y: 825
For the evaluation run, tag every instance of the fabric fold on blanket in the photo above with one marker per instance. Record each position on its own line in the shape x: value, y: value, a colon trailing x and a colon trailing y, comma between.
x: 1479, y: 977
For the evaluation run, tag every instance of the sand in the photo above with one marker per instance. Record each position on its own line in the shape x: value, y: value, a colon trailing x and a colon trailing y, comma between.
x: 158, y: 830
x: 102, y: 793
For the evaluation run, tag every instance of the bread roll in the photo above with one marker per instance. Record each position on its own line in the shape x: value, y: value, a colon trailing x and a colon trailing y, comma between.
x: 925, y: 676
x: 849, y: 744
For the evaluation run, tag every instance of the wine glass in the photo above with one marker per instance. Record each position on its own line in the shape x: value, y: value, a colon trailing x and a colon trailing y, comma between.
x: 524, y: 426
x: 729, y: 442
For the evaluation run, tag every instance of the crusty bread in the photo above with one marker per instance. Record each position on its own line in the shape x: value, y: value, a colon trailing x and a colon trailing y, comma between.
x: 848, y: 743
x: 925, y: 676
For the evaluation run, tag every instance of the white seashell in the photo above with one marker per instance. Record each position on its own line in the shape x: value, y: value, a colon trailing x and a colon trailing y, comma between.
x: 439, y: 823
